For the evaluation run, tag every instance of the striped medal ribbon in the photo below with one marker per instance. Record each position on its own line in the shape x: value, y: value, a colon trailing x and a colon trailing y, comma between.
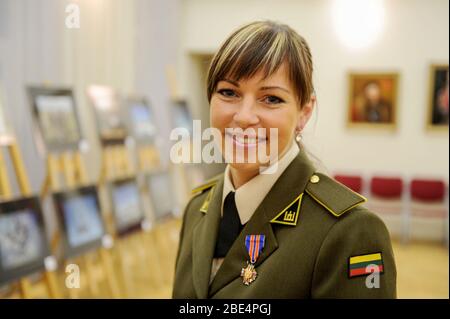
x: 254, y: 245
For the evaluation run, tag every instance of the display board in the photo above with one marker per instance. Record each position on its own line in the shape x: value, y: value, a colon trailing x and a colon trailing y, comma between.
x: 181, y: 115
x: 109, y: 114
x: 79, y: 214
x: 23, y: 243
x: 127, y: 207
x: 5, y: 134
x: 141, y: 120
x: 55, y: 117
x: 161, y: 194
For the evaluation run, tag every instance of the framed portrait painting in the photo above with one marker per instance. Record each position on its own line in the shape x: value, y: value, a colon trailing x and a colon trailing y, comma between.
x: 372, y: 101
x: 438, y: 98
x: 55, y: 116
x: 23, y: 242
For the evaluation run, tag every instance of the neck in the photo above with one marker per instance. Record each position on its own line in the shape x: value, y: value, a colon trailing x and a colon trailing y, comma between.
x: 241, y: 176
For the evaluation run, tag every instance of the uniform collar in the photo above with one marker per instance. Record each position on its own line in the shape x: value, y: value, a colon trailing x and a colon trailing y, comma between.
x: 250, y: 195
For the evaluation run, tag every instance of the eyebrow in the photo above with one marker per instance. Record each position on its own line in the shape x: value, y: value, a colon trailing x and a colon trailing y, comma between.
x: 274, y: 87
x: 261, y: 89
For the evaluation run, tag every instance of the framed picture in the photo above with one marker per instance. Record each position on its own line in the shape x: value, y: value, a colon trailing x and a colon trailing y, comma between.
x: 109, y: 115
x: 181, y: 115
x: 438, y: 98
x: 127, y: 207
x: 161, y: 194
x: 3, y: 129
x: 142, y: 123
x: 79, y: 214
x: 55, y: 117
x: 372, y: 100
x: 5, y: 134
x: 23, y: 242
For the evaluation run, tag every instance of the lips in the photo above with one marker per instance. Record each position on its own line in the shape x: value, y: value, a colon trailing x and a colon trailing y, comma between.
x: 246, y: 140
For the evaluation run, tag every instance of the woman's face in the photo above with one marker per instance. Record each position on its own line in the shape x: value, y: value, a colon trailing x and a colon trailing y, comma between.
x: 258, y: 103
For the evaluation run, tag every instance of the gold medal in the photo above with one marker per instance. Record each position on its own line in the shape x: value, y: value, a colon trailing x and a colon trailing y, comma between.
x: 248, y: 274
x: 254, y: 245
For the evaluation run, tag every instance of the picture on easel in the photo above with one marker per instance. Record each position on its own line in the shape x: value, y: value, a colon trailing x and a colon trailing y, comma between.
x: 23, y: 243
x: 182, y: 117
x: 109, y: 115
x: 142, y: 121
x: 54, y: 112
x: 127, y: 208
x: 3, y: 130
x: 5, y: 134
x: 161, y: 195
x: 80, y: 219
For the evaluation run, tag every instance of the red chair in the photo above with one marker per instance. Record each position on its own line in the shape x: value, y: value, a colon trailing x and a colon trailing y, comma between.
x: 353, y: 182
x: 386, y: 187
x: 429, y: 211
x: 387, y: 199
x: 427, y: 190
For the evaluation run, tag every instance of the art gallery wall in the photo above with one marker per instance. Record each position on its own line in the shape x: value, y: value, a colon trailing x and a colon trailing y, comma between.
x: 115, y: 39
x: 414, y: 36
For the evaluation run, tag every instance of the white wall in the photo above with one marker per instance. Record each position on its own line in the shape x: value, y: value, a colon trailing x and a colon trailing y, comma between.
x: 415, y: 35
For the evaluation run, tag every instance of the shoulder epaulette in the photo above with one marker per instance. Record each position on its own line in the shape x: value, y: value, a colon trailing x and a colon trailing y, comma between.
x: 207, y: 185
x: 335, y: 197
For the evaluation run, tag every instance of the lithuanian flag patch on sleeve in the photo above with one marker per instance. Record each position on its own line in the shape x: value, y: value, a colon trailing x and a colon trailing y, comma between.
x: 363, y: 265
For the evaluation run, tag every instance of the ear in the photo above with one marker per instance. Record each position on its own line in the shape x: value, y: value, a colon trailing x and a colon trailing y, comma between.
x: 305, y: 113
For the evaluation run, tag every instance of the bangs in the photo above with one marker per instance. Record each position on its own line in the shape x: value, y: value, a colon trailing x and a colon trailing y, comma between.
x: 259, y: 46
x: 265, y: 52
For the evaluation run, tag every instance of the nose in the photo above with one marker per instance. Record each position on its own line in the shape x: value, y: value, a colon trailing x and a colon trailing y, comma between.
x: 246, y: 114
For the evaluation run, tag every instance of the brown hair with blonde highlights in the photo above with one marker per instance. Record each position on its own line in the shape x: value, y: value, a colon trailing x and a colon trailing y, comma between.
x: 263, y: 45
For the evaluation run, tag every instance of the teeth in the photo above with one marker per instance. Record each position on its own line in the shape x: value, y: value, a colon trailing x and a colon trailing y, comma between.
x: 243, y: 139
x: 248, y: 140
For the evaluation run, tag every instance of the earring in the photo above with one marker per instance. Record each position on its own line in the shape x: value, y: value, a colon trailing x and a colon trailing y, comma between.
x: 298, y: 137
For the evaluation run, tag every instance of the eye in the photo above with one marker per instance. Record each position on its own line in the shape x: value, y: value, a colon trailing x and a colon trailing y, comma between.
x: 227, y: 93
x: 271, y: 99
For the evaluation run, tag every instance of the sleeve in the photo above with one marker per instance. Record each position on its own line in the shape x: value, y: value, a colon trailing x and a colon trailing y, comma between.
x: 356, y: 247
x: 183, y: 226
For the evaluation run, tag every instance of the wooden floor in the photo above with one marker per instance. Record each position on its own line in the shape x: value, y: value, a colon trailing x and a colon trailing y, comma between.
x: 422, y: 270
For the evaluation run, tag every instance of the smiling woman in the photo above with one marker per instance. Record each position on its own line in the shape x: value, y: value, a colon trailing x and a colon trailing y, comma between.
x: 293, y: 233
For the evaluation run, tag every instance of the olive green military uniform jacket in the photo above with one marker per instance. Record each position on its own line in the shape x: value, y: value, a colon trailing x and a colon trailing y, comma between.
x: 319, y: 240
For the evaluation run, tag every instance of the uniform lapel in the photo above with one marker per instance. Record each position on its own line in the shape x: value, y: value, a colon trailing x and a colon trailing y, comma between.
x: 204, y: 239
x: 290, y: 184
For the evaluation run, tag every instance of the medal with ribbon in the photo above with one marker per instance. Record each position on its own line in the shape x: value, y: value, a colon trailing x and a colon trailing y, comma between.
x: 254, y: 245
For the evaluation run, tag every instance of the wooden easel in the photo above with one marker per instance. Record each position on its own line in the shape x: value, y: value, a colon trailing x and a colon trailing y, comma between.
x: 148, y: 158
x: 160, y: 238
x: 27, y: 288
x: 98, y: 265
x: 133, y: 250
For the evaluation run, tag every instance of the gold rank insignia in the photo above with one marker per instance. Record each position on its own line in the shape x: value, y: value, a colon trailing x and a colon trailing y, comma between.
x: 289, y: 215
x: 205, y: 204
